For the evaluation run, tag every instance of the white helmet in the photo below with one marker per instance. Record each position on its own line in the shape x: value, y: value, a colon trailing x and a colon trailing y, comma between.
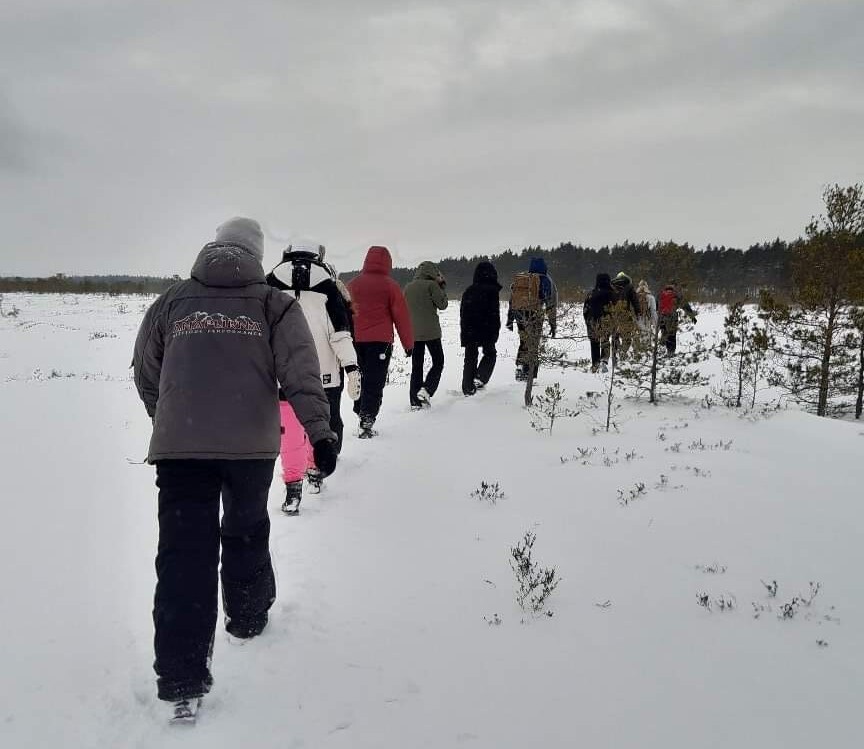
x: 304, y: 248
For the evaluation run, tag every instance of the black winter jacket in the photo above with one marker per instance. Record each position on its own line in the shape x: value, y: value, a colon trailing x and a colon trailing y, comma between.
x: 597, y: 304
x: 480, y: 311
x: 624, y: 292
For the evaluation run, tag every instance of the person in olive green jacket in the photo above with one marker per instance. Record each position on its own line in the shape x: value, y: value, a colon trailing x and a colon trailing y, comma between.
x: 425, y: 295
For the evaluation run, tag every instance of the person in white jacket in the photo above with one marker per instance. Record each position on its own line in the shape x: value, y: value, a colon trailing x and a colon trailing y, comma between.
x: 646, y: 316
x: 304, y: 275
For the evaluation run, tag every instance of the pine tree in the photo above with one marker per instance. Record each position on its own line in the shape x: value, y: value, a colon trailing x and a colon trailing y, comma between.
x: 647, y: 369
x: 743, y: 349
x: 812, y: 329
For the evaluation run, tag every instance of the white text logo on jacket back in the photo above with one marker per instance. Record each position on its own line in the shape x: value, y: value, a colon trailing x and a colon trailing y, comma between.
x: 216, y: 322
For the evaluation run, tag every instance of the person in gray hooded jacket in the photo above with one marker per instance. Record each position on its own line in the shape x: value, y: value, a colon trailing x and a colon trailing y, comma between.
x: 210, y: 356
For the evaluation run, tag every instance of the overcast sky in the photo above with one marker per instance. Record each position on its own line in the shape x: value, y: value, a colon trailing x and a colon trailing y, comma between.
x: 129, y: 130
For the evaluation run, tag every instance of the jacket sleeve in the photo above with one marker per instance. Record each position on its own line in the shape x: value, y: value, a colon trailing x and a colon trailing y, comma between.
x: 147, y: 357
x: 439, y: 296
x: 298, y: 370
x: 337, y: 308
x: 685, y: 305
x: 401, y: 316
x: 495, y: 311
x: 339, y: 329
x: 463, y: 317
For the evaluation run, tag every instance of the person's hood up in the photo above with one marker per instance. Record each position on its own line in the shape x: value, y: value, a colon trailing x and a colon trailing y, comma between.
x: 378, y: 260
x: 485, y: 273
x: 538, y: 265
x: 603, y: 281
x: 227, y: 265
x: 427, y: 271
x: 622, y: 279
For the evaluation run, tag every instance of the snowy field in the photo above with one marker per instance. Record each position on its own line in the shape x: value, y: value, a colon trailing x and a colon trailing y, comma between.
x: 396, y: 623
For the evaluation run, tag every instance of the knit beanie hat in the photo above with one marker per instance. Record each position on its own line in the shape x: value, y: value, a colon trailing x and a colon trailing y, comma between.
x: 244, y: 232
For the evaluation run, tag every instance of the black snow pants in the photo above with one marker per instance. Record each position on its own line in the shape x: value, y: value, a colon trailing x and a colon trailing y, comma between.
x: 374, y: 361
x: 418, y: 362
x: 186, y: 604
x: 669, y: 332
x: 599, y: 350
x: 334, y: 395
x: 471, y: 370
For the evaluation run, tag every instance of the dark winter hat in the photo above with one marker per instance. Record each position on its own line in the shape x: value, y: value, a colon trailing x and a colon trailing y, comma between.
x: 245, y: 233
x: 603, y: 281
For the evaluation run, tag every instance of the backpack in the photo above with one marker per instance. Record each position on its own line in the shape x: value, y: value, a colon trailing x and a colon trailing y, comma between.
x: 525, y: 292
x: 668, y: 302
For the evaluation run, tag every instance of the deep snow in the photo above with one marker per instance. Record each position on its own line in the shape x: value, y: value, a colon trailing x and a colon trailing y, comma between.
x: 388, y: 581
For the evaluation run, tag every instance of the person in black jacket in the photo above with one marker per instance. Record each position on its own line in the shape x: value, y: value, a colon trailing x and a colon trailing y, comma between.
x: 480, y: 324
x: 595, y: 310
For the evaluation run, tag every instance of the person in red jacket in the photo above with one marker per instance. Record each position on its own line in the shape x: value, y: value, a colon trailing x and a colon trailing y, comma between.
x: 378, y: 306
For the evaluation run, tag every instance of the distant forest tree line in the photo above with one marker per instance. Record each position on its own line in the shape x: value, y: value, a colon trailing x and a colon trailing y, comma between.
x: 60, y: 283
x: 713, y: 274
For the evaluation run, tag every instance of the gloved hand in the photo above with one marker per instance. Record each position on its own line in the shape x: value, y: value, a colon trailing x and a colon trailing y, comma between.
x: 324, y: 452
x: 409, y: 352
x: 352, y: 382
x: 510, y: 325
x: 554, y: 331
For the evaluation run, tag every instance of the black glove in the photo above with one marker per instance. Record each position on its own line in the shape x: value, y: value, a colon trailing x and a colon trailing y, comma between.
x: 409, y: 352
x: 509, y: 325
x: 554, y: 331
x: 324, y: 452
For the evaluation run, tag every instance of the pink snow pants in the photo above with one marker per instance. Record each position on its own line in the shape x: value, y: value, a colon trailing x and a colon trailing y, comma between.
x: 296, y: 450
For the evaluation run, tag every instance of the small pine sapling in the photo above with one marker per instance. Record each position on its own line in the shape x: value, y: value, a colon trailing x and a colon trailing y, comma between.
x: 743, y: 349
x: 534, y: 583
x: 547, y: 408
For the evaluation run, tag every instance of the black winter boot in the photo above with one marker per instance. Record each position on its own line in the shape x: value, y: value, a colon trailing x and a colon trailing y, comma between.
x: 246, y: 629
x: 293, y: 495
x: 367, y: 430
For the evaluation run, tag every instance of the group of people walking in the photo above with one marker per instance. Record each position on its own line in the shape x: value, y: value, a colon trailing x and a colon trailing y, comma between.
x: 237, y: 367
x: 641, y: 314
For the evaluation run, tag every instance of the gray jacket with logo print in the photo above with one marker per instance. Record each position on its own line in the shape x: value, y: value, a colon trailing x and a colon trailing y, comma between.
x: 210, y: 355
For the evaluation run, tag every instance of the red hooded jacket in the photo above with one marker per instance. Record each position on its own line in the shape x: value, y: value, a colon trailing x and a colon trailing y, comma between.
x: 378, y: 302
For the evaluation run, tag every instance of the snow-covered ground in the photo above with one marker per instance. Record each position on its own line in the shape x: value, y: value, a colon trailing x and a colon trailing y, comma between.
x: 396, y: 623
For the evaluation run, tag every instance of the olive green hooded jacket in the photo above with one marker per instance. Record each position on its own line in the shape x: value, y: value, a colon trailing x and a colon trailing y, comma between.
x: 425, y: 295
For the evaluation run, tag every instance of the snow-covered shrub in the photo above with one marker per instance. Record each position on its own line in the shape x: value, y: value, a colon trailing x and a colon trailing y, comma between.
x: 547, y: 408
x: 488, y: 492
x: 534, y: 583
x: 626, y: 496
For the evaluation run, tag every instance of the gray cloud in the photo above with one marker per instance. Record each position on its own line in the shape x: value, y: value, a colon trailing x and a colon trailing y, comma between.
x: 438, y: 128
